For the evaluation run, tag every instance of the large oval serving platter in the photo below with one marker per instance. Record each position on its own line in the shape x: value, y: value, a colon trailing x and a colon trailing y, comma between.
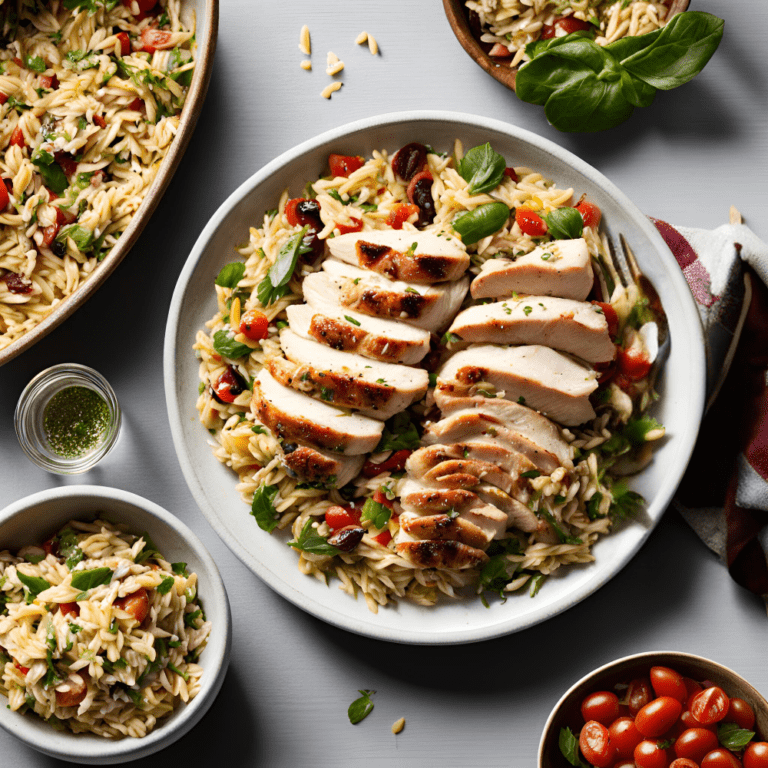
x: 213, y: 485
x: 206, y: 15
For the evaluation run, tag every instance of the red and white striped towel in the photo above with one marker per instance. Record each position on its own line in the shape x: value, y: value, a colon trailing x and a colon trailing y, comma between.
x: 724, y: 494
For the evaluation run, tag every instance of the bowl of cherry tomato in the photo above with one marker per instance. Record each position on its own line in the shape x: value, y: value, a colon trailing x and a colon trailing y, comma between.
x: 658, y: 710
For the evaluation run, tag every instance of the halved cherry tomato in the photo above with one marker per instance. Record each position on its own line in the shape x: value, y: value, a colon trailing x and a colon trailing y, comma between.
x: 345, y: 229
x: 613, y: 322
x: 301, y: 212
x: 49, y: 81
x: 624, y: 736
x: 229, y: 385
x: 343, y: 165
x: 510, y: 173
x: 340, y: 517
x: 3, y: 97
x: 254, y: 325
x: 721, y: 758
x: 381, y: 498
x: 395, y: 463
x: 694, y: 743
x: 137, y: 105
x: 17, y: 137
x: 664, y: 681
x: 632, y: 363
x: 602, y: 706
x: 639, y: 694
x: 595, y: 744
x: 500, y: 51
x: 530, y: 222
x: 69, y: 609
x: 710, y: 705
x: 756, y: 755
x: 658, y: 716
x: 741, y: 713
x: 4, y: 197
x: 590, y: 213
x: 400, y: 214
x: 23, y: 670
x: 155, y: 40
x: 124, y: 42
x: 136, y: 604
x: 566, y: 25
x: 100, y: 121
x: 383, y: 538
x: 683, y: 762
x: 144, y: 5
x: 78, y: 689
x: 689, y: 721
x: 648, y: 754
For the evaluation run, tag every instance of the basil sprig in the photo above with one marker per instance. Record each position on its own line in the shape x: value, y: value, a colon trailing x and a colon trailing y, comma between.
x: 263, y: 507
x: 312, y: 542
x: 732, y: 737
x: 482, y: 168
x: 585, y: 87
x: 224, y: 343
x: 482, y: 221
x: 275, y: 285
x: 360, y: 708
x: 565, y: 224
x: 569, y: 748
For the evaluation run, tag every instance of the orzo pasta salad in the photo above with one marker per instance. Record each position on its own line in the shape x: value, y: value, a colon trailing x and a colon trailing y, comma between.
x: 90, y: 97
x: 98, y: 632
x: 426, y: 367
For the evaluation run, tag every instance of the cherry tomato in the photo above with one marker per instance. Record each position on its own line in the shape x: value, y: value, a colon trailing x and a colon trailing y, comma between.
x: 694, y: 743
x: 500, y: 51
x: 530, y: 223
x: 602, y: 706
x: 301, y: 212
x: 710, y: 705
x: 228, y: 386
x: 136, y: 604
x: 667, y: 682
x: 17, y: 137
x: 510, y: 173
x: 625, y: 764
x: 5, y: 198
x: 100, y: 121
x: 756, y: 755
x: 23, y: 670
x: 355, y: 226
x: 648, y: 754
x: 78, y: 689
x: 254, y: 325
x: 633, y: 364
x: 721, y: 758
x: 639, y: 694
x: 591, y: 215
x: 124, y: 42
x: 740, y: 713
x: 683, y: 762
x: 383, y: 538
x: 624, y: 736
x: 3, y: 97
x: 341, y: 517
x: 343, y: 165
x: 381, y: 498
x: 687, y: 720
x: 395, y: 463
x: 613, y: 328
x: 566, y: 25
x: 155, y: 40
x: 658, y: 716
x: 400, y: 214
x: 69, y: 609
x: 692, y: 687
x: 595, y: 744
x: 144, y: 5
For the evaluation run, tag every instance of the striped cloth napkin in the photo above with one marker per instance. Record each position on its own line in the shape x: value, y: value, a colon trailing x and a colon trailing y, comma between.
x: 724, y: 494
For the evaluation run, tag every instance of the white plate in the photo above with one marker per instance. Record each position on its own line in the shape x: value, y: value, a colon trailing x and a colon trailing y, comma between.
x: 213, y: 485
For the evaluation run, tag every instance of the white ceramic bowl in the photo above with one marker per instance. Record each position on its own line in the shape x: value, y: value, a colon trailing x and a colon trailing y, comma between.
x: 213, y: 485
x: 34, y: 519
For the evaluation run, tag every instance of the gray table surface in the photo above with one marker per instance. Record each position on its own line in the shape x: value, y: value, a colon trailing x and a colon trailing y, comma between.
x: 685, y: 159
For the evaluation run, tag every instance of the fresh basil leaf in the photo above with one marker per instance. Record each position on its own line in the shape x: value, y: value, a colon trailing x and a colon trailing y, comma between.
x: 149, y: 550
x: 625, y: 47
x: 535, y: 586
x: 593, y: 506
x: 82, y: 237
x: 53, y: 177
x: 36, y: 64
x: 482, y: 221
x: 482, y: 168
x: 34, y: 559
x: 636, y: 91
x: 75, y: 556
x: 376, y: 513
x: 360, y: 708
x: 311, y: 541
x: 231, y: 274
x: 494, y: 576
x: 561, y: 534
x: 274, y: 285
x: 263, y: 508
x: 681, y: 50
x: 399, y: 433
x: 624, y: 503
x: 164, y: 587
x: 95, y: 577
x: 636, y: 429
x: 565, y: 224
x: 180, y: 569
x: 569, y: 748
x: 732, y: 737
x: 35, y: 584
x: 225, y: 344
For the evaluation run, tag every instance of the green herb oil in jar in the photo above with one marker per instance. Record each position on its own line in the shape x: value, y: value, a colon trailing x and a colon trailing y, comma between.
x: 75, y: 421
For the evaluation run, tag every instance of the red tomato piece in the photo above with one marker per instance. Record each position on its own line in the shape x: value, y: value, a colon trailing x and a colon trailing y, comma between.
x: 144, y: 5
x: 50, y: 82
x: 340, y: 517
x: 500, y: 51
x: 395, y: 463
x: 756, y: 755
x: 530, y: 222
x: 721, y: 758
x: 155, y: 40
x: 254, y: 325
x: 344, y: 165
x: 632, y: 364
x: 568, y: 25
x: 17, y: 137
x: 69, y: 609
x: 595, y: 744
x: 381, y: 498
x: 229, y: 385
x: 648, y: 754
x: 639, y: 694
x: 124, y: 42
x: 658, y: 716
x: 611, y: 318
x: 23, y: 670
x: 510, y: 173
x: 694, y: 743
x: 136, y: 604
x: 4, y: 197
x: 383, y: 538
x: 591, y: 215
x: 687, y: 720
x: 710, y: 705
x: 741, y: 713
x: 294, y: 213
x: 345, y: 229
x: 66, y: 162
x: 624, y: 736
x: 100, y: 121
x: 3, y: 97
x: 137, y: 105
x: 683, y: 762
x: 665, y: 681
x: 49, y: 234
x: 400, y: 214
x: 602, y: 706
x: 62, y: 217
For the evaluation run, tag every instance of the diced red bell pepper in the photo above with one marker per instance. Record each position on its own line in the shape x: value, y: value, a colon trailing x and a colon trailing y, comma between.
x: 395, y: 463
x: 383, y: 538
x: 17, y: 137
x: 400, y: 214
x: 345, y: 229
x: 344, y: 165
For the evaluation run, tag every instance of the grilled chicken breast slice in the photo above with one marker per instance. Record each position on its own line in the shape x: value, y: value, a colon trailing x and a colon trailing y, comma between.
x: 315, y: 466
x: 441, y: 554
x: 441, y: 527
x: 560, y: 268
x: 348, y: 331
x: 576, y: 327
x: 416, y: 497
x: 296, y: 417
x: 379, y: 390
x: 537, y: 376
x: 428, y: 307
x: 417, y: 257
x: 517, y: 514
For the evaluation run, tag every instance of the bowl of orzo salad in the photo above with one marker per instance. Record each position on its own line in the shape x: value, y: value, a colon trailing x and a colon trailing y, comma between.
x: 98, y: 100
x: 421, y: 381
x: 114, y: 625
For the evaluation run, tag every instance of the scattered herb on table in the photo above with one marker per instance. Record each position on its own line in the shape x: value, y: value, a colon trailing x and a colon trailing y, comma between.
x: 360, y: 708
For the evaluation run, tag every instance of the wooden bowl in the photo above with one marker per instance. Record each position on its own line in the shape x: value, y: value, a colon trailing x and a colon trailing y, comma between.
x: 567, y: 710
x: 207, y: 24
x: 467, y: 32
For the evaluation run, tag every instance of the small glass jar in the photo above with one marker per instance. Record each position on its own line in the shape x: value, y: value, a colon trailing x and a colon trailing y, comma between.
x: 69, y: 453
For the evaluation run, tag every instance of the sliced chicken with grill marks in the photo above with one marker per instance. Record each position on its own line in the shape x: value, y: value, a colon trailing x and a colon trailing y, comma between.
x: 418, y: 257
x: 519, y: 418
x: 415, y: 497
x: 560, y: 268
x: 431, y: 307
x: 576, y: 327
x: 537, y: 376
x: 518, y: 514
x: 441, y: 554
x: 349, y: 331
x: 315, y: 466
x: 379, y: 390
x: 443, y: 527
x: 300, y: 418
